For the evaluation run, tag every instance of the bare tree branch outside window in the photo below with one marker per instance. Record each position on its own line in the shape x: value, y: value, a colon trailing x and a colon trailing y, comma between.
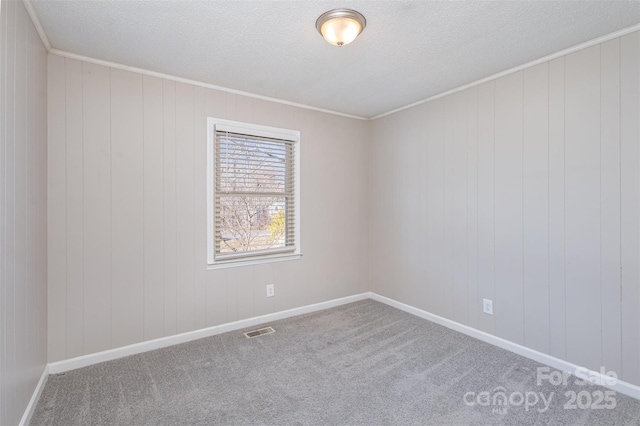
x: 253, y: 183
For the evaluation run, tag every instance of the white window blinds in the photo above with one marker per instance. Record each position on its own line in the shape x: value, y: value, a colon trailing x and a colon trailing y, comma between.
x: 254, y: 195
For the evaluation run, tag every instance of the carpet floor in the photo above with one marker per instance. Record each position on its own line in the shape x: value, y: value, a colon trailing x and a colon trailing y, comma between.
x: 364, y: 363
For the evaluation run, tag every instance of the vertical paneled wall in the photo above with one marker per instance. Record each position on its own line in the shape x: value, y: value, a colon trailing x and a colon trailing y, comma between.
x: 127, y: 200
x: 23, y: 210
x: 524, y: 190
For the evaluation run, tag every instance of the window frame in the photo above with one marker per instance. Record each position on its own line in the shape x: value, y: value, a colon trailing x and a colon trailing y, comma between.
x: 260, y: 131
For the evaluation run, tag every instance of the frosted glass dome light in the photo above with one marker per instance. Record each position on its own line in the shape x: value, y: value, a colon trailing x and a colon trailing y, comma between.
x: 340, y: 26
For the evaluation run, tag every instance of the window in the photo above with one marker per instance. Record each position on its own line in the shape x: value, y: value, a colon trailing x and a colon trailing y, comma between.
x: 253, y: 193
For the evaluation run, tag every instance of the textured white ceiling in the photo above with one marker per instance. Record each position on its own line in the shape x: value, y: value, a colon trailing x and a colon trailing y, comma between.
x: 409, y: 51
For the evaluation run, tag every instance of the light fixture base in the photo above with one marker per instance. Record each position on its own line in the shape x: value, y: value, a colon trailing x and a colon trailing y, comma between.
x: 340, y: 26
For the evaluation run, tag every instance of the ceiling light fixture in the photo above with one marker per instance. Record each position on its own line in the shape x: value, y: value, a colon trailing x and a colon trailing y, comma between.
x: 340, y: 26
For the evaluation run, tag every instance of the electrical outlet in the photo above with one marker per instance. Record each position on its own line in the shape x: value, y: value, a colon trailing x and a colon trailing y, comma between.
x: 271, y: 290
x: 487, y: 306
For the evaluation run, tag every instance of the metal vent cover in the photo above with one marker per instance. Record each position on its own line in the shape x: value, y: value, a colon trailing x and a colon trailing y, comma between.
x: 259, y: 332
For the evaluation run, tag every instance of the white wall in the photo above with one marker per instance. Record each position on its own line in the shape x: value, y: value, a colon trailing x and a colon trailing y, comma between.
x: 23, y: 223
x: 524, y: 190
x: 127, y: 210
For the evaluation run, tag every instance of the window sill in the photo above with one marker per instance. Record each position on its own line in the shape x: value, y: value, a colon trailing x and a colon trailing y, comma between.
x: 232, y: 263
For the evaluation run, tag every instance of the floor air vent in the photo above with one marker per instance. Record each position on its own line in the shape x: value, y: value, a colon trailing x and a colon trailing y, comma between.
x: 259, y: 332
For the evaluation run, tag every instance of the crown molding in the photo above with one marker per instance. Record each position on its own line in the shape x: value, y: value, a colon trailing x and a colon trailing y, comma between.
x: 564, y: 52
x: 533, y: 63
x: 36, y: 23
x: 143, y: 71
x: 47, y: 44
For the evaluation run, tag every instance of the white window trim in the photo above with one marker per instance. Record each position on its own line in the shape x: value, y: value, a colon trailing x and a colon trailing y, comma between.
x: 257, y: 130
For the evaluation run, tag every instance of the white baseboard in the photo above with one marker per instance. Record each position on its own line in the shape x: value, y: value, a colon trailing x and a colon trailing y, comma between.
x: 557, y: 363
x: 95, y: 358
x: 163, y: 342
x: 31, y: 407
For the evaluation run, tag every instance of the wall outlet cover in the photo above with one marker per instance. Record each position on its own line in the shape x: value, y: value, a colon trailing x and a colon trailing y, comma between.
x: 487, y: 306
x: 271, y: 290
